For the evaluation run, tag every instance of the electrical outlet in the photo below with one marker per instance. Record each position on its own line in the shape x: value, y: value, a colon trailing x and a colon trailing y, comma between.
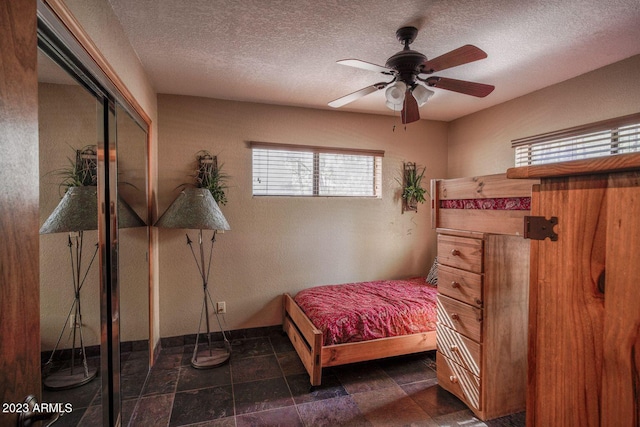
x: 221, y: 307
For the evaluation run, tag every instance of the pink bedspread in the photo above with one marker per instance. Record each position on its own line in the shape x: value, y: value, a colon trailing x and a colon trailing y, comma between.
x: 368, y: 310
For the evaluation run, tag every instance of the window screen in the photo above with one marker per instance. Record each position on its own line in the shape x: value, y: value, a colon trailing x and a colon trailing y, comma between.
x: 611, y: 137
x: 292, y: 170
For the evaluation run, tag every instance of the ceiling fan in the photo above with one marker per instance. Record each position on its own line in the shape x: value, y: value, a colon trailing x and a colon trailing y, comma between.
x: 408, y: 90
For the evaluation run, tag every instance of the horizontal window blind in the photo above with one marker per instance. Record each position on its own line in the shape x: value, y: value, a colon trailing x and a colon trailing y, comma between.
x: 292, y: 170
x: 606, y: 138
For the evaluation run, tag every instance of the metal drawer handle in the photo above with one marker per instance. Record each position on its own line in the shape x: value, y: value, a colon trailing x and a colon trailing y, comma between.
x: 453, y: 379
x: 455, y: 317
x: 455, y: 252
x: 455, y: 284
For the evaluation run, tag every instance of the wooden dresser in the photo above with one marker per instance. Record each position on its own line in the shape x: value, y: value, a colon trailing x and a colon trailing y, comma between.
x: 483, y: 277
x: 482, y: 320
x: 584, y: 334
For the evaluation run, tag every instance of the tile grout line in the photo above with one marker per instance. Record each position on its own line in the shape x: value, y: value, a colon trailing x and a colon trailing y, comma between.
x: 295, y: 405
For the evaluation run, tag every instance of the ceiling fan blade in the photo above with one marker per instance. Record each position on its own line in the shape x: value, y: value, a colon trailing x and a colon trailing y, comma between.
x: 336, y: 103
x: 366, y: 66
x: 462, y: 55
x: 410, y: 112
x: 461, y: 86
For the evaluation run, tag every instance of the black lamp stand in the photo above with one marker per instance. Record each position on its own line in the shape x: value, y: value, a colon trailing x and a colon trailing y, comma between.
x: 73, y: 376
x: 211, y: 356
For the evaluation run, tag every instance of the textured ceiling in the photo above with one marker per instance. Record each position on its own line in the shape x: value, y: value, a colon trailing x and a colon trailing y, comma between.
x: 285, y: 51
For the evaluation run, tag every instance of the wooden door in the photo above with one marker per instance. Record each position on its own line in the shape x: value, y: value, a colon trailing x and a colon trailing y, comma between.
x: 621, y: 360
x: 19, y: 219
x: 584, y: 315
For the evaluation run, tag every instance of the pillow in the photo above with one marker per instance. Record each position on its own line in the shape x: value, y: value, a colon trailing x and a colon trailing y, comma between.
x: 432, y: 277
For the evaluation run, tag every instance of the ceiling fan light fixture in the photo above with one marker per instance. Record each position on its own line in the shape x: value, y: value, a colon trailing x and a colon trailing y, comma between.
x: 422, y: 94
x: 393, y: 107
x: 406, y: 66
x: 395, y: 93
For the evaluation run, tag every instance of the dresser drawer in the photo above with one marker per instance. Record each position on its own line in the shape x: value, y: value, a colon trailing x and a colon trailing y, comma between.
x: 461, y: 317
x: 460, y: 284
x: 460, y: 252
x: 459, y: 381
x: 464, y: 351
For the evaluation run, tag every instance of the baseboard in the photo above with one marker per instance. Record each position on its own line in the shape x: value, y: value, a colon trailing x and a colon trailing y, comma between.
x: 181, y: 340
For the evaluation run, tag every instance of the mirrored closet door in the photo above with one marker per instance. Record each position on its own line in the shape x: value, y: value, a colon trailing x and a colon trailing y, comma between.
x: 94, y: 243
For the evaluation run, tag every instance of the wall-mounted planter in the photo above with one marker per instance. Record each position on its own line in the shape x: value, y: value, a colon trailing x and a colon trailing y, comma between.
x: 412, y: 191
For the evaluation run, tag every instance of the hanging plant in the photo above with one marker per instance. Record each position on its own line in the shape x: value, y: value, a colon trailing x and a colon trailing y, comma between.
x: 210, y: 176
x: 412, y: 191
x: 81, y: 171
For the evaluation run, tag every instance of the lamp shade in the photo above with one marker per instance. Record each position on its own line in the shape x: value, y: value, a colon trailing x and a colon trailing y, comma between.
x: 78, y: 211
x: 127, y: 217
x: 194, y: 208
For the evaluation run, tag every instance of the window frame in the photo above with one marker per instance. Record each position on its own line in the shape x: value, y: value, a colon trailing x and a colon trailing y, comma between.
x: 317, y: 151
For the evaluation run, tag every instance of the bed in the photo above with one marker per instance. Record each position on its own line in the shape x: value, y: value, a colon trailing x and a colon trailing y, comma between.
x: 489, y: 204
x: 334, y: 325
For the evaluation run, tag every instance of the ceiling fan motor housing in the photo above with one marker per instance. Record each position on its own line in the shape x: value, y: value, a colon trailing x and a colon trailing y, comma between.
x: 407, y: 63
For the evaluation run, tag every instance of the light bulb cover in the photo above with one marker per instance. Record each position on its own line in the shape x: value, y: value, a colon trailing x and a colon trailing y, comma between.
x: 422, y: 94
x: 395, y: 93
x: 393, y: 107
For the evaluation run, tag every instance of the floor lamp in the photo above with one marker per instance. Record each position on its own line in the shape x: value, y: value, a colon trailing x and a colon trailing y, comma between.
x: 78, y: 212
x: 195, y: 208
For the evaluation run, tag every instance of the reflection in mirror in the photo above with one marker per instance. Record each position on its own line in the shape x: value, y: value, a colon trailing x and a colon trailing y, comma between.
x: 69, y: 124
x: 133, y: 246
x: 81, y: 295
x: 69, y: 273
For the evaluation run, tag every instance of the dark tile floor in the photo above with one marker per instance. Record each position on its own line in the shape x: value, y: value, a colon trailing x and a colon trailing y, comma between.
x: 265, y: 385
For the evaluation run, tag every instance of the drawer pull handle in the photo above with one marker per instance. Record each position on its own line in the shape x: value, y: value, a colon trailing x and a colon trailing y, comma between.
x: 478, y: 301
x: 455, y: 252
x: 455, y: 317
x: 454, y: 347
x: 455, y: 284
x: 453, y: 379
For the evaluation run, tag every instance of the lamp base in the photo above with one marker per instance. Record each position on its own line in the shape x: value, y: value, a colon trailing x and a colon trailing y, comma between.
x: 210, y: 358
x: 64, y: 379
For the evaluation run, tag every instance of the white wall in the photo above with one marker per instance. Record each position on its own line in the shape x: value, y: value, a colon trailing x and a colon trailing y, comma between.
x: 285, y: 244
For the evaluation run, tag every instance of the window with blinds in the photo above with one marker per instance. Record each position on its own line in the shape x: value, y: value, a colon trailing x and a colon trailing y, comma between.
x: 606, y: 138
x: 294, y: 170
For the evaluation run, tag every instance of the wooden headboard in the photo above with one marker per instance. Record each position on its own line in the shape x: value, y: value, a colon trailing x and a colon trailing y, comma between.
x: 489, y: 203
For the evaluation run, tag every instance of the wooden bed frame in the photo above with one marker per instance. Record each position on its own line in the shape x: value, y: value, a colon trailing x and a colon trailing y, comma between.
x: 307, y: 340
x: 479, y: 187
